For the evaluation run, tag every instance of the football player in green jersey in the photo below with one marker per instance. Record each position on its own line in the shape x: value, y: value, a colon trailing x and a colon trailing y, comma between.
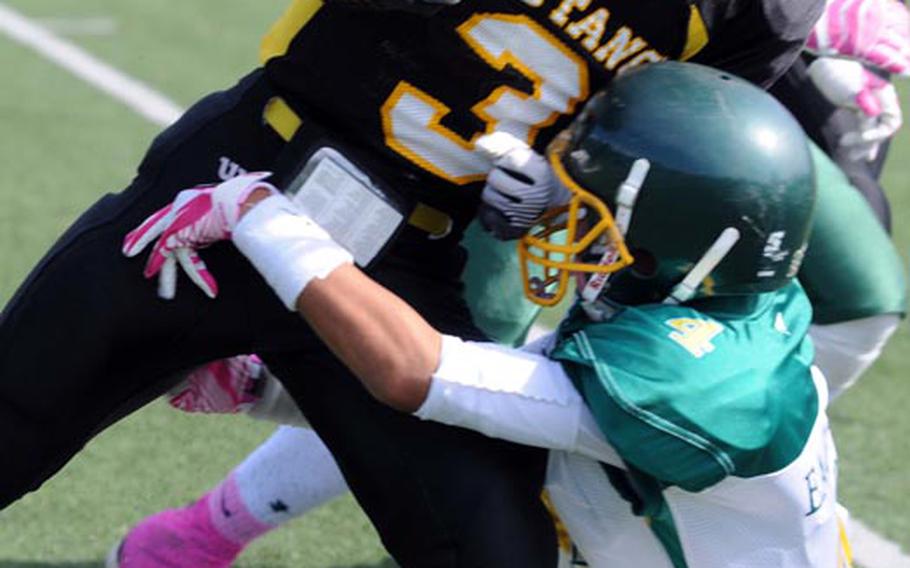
x: 681, y: 384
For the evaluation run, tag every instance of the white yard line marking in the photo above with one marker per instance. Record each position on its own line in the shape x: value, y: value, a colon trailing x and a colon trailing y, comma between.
x: 79, y: 26
x: 871, y: 550
x: 134, y: 94
x: 874, y: 551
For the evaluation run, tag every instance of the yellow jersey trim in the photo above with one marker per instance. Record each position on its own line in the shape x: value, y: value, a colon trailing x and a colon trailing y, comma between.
x: 697, y: 37
x: 846, y: 556
x: 279, y: 37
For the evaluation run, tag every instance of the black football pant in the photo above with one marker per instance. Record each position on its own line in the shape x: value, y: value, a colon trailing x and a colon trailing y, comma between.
x: 86, y: 341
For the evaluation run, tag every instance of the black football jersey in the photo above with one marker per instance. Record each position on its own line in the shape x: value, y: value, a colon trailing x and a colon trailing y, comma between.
x: 417, y: 90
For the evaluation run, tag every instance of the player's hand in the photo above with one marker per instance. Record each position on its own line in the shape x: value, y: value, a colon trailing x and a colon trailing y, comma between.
x: 847, y: 84
x: 875, y: 32
x: 227, y: 386
x: 519, y: 188
x: 197, y: 218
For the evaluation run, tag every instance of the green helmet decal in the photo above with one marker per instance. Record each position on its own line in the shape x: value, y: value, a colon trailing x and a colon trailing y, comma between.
x: 723, y: 155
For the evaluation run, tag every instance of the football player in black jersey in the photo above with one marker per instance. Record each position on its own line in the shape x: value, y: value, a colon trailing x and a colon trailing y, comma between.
x: 404, y: 96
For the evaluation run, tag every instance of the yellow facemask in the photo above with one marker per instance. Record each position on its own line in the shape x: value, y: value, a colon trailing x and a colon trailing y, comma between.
x: 549, y: 251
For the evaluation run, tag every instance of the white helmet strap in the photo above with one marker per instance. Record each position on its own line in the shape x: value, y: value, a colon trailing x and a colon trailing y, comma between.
x: 685, y: 290
x: 626, y: 196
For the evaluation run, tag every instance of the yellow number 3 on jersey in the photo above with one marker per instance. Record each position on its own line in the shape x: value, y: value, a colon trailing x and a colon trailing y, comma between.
x: 411, y: 118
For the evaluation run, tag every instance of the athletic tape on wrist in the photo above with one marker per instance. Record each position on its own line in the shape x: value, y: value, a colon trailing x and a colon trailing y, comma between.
x: 287, y: 247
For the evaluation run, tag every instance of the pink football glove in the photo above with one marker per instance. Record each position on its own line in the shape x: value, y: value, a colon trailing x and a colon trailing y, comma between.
x: 227, y: 386
x: 847, y: 84
x: 197, y: 218
x: 875, y: 32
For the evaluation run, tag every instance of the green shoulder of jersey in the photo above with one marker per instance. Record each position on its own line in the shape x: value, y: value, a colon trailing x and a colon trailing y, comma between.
x: 690, y: 395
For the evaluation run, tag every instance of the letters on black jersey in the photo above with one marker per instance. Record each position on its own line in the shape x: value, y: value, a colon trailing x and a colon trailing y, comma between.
x: 560, y: 67
x: 424, y: 89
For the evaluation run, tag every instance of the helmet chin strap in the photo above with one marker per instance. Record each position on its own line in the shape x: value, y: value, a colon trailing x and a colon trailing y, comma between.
x: 685, y: 290
x: 626, y: 196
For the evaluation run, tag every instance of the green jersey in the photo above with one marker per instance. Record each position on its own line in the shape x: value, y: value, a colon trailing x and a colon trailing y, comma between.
x: 703, y: 397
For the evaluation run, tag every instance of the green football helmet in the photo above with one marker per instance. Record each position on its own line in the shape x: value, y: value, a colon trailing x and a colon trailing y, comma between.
x: 686, y: 182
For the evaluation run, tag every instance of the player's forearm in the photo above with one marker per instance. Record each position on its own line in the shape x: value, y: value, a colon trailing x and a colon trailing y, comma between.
x: 504, y: 393
x: 390, y: 348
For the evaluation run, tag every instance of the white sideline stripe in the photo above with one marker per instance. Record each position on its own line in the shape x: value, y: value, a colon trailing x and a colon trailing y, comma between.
x: 871, y: 550
x: 134, y: 94
x: 78, y: 26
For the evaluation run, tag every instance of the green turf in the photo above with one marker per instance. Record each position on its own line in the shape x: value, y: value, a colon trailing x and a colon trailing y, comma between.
x: 156, y: 458
x: 65, y: 144
x: 183, y: 49
x: 871, y: 422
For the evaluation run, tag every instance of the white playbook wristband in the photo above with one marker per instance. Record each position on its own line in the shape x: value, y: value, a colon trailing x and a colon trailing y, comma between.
x: 288, y: 248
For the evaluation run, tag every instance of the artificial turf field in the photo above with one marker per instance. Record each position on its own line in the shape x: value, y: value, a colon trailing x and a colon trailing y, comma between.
x: 63, y: 144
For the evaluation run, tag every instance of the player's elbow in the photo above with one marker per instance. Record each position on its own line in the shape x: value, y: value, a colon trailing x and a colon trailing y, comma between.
x: 400, y: 385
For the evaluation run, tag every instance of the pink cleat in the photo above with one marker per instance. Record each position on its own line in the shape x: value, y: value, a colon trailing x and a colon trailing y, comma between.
x: 175, y: 538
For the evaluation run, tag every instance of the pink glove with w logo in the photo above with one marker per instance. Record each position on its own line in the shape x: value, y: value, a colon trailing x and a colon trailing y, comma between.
x: 197, y: 218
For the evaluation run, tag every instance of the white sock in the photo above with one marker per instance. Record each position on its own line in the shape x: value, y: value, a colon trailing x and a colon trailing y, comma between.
x: 289, y: 474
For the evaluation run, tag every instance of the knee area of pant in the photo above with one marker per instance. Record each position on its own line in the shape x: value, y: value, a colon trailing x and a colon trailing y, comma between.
x: 858, y: 335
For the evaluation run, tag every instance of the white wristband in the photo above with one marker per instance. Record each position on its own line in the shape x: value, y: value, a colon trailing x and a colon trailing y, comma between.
x: 287, y: 247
